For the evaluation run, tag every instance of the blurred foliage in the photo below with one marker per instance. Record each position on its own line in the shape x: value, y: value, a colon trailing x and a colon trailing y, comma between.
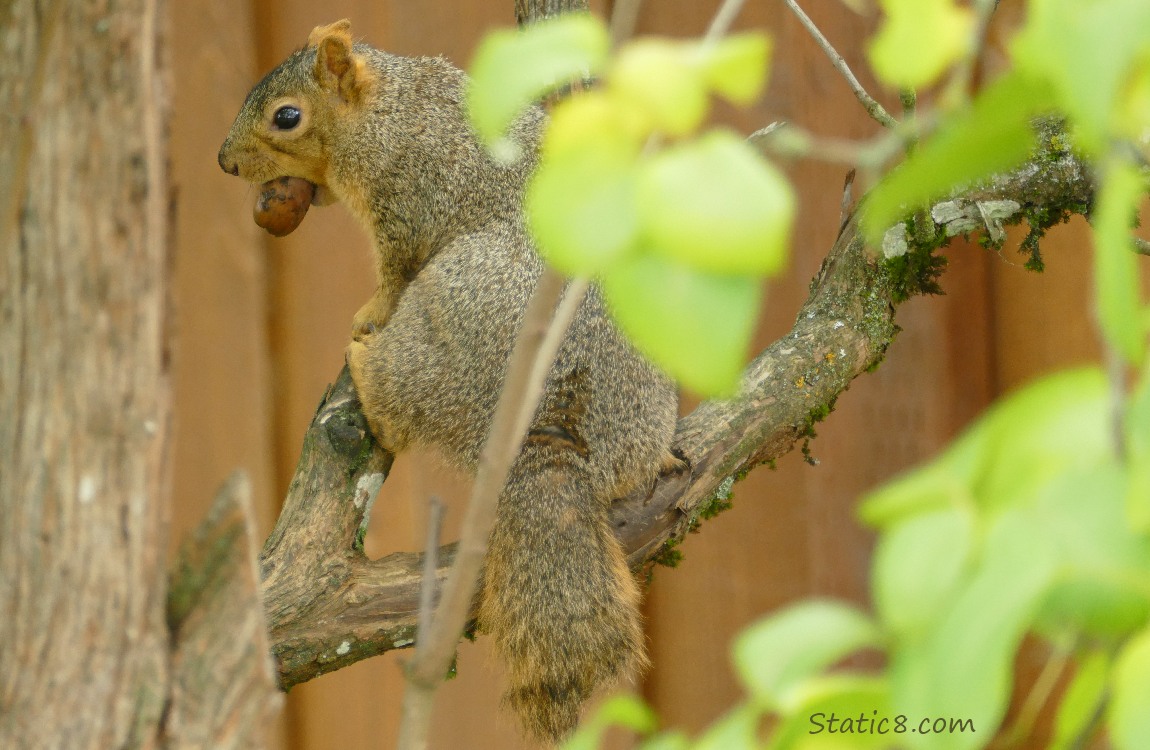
x: 1036, y: 521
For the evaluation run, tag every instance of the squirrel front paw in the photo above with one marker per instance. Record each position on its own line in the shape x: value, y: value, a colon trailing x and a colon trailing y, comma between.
x: 361, y: 331
x: 362, y: 362
x: 371, y: 317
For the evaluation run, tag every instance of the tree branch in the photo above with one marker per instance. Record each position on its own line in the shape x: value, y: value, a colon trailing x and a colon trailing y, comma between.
x: 223, y: 689
x: 329, y: 606
x: 870, y: 104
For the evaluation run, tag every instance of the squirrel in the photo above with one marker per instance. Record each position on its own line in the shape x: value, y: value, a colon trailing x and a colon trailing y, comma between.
x: 388, y: 136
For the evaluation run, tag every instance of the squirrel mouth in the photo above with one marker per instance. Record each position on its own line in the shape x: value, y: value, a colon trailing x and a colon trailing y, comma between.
x: 282, y: 204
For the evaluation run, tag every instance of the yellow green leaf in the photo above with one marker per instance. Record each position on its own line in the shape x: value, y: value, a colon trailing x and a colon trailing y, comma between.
x: 736, y: 66
x: 694, y: 325
x: 1087, y: 51
x: 1118, y: 290
x: 717, y: 205
x: 512, y: 68
x: 1129, y: 715
x: 594, y: 117
x: 775, y: 656
x: 581, y: 207
x: 918, y: 40
x: 660, y: 77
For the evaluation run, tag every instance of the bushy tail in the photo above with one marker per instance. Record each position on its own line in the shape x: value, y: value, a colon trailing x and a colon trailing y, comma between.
x: 558, y: 598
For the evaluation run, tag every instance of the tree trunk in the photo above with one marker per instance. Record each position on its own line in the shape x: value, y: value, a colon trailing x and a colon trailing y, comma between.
x: 530, y: 11
x: 84, y: 412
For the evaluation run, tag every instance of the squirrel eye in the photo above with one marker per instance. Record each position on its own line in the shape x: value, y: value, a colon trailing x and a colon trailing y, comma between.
x: 286, y: 118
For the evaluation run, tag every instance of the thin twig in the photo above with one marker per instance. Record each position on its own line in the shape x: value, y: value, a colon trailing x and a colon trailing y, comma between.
x: 788, y: 140
x: 417, y: 699
x: 564, y: 314
x: 722, y: 21
x: 517, y: 404
x: 522, y: 389
x: 430, y: 563
x: 1040, y: 692
x: 909, y: 100
x: 624, y: 19
x: 1116, y: 374
x: 959, y: 87
x: 870, y: 104
x: 847, y: 200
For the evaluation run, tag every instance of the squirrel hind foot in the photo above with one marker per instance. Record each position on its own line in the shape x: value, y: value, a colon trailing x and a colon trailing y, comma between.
x: 674, y: 461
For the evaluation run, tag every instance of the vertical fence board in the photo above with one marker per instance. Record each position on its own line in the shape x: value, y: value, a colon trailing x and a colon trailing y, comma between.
x: 223, y: 401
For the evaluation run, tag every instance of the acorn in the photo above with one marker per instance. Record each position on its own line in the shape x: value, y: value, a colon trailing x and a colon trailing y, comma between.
x: 282, y: 204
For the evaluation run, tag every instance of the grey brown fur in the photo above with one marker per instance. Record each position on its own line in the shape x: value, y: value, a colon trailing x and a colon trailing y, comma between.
x: 388, y: 136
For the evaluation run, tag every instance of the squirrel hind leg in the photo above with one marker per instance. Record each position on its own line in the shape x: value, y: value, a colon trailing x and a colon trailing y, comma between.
x: 558, y: 598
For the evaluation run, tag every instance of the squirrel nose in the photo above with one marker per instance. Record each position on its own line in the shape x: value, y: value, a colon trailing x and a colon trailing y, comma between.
x: 231, y: 168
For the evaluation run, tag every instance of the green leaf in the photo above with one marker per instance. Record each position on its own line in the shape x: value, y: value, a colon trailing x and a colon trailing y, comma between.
x: 696, y: 326
x: 917, y: 567
x: 587, y: 737
x: 734, y: 731
x: 512, y: 69
x: 1117, y: 286
x: 736, y: 66
x: 627, y: 710
x: 667, y: 741
x: 1137, y: 426
x: 1106, y: 38
x: 1129, y: 716
x: 1102, y: 590
x: 963, y: 669
x: 658, y: 75
x: 1134, y: 103
x: 1046, y: 430
x: 838, y: 711
x: 918, y: 40
x: 937, y: 485
x: 995, y: 135
x: 594, y: 118
x: 623, y: 710
x: 774, y: 656
x: 1081, y: 701
x: 716, y: 205
x: 581, y: 208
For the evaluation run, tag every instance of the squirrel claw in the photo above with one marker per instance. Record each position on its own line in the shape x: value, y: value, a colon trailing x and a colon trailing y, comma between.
x: 674, y: 462
x: 363, y: 330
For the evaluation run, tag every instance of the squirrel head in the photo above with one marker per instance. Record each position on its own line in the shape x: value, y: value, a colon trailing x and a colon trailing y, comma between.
x: 288, y: 120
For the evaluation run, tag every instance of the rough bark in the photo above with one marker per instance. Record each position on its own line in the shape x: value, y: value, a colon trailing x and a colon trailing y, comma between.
x: 223, y: 691
x: 530, y: 11
x: 329, y: 606
x: 87, y: 659
x: 84, y: 393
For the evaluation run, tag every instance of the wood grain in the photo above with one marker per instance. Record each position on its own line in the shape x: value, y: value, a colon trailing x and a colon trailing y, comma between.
x: 84, y: 380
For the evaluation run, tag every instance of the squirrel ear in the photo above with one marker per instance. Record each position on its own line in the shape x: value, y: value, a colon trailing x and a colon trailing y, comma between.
x: 341, y: 27
x: 336, y: 66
